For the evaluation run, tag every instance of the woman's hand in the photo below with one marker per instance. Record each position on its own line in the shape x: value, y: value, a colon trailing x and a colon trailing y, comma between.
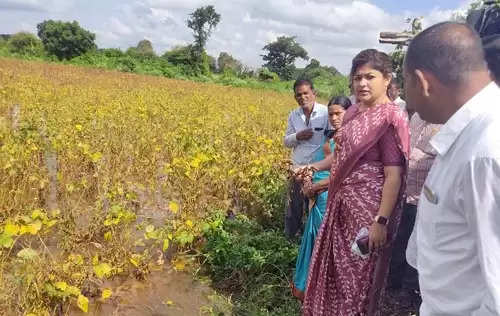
x: 304, y: 173
x: 308, y: 189
x: 377, y: 236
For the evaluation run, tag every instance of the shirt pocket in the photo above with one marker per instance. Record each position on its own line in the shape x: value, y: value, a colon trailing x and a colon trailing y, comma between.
x: 429, y: 213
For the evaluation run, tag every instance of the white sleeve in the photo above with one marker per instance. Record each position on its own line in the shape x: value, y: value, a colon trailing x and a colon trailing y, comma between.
x: 290, y: 134
x: 481, y: 199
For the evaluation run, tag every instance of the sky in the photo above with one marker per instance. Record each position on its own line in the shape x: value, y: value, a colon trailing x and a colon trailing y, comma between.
x: 332, y: 31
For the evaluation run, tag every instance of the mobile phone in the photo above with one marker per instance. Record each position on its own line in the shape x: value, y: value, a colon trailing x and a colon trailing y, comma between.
x: 363, y: 245
x: 317, y: 129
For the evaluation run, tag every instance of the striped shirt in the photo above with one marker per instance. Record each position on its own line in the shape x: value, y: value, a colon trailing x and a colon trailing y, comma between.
x: 422, y: 156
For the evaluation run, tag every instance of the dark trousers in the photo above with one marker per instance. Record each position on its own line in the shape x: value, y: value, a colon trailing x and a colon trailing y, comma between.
x: 295, y: 209
x: 401, y: 274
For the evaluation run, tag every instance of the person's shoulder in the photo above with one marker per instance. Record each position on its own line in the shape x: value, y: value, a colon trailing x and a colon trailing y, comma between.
x: 484, y: 135
x: 294, y: 112
x: 321, y: 107
x: 396, y: 110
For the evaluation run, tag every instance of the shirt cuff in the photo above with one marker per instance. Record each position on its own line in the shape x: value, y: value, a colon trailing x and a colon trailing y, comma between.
x: 291, y: 140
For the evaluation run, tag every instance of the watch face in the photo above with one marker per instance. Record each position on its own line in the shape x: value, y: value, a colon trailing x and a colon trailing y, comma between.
x: 382, y: 220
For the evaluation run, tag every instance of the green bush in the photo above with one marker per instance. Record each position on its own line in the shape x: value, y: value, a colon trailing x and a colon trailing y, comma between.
x: 65, y: 40
x: 253, y: 264
x: 23, y: 43
x: 267, y: 75
x: 126, y: 63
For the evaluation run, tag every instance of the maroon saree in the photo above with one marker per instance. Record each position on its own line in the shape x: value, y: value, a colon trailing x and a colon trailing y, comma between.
x: 339, y: 282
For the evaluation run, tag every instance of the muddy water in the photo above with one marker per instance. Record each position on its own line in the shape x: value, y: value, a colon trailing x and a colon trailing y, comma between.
x: 163, y: 293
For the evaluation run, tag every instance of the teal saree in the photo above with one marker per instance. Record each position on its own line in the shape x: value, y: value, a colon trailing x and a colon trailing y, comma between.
x: 312, y: 226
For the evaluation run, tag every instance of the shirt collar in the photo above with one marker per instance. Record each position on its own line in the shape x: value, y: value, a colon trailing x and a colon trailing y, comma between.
x: 315, y: 108
x: 450, y: 131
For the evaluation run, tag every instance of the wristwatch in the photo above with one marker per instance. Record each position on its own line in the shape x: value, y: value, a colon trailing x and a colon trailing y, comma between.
x: 381, y: 220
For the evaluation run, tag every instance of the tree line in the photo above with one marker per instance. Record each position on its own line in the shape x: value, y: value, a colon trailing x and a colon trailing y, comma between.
x: 68, y: 40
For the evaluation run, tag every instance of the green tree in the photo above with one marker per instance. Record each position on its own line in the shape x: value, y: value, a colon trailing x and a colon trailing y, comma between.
x: 24, y: 43
x: 202, y: 21
x: 227, y: 62
x: 145, y: 48
x: 65, y: 40
x: 398, y: 57
x: 179, y: 55
x: 186, y: 57
x: 281, y: 55
x: 265, y: 74
x: 212, y: 63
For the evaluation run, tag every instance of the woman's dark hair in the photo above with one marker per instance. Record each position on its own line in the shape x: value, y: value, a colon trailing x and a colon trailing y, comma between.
x: 377, y: 60
x: 343, y: 101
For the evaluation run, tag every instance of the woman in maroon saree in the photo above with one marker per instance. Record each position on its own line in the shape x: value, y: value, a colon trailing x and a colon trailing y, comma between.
x: 368, y: 177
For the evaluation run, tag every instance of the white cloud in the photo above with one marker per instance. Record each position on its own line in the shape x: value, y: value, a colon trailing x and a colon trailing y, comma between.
x: 36, y: 5
x: 331, y: 31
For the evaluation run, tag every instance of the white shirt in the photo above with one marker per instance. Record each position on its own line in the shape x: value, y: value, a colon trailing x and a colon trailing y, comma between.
x: 303, y: 151
x: 401, y: 103
x: 456, y: 241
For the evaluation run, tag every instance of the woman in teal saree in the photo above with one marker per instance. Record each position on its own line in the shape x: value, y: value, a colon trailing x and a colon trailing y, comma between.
x: 317, y: 191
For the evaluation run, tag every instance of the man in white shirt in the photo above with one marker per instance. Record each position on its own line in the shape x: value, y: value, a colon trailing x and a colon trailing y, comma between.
x: 394, y: 94
x: 455, y: 245
x: 304, y: 135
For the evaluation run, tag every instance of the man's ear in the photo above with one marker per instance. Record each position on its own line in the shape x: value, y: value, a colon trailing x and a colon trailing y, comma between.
x: 423, y: 83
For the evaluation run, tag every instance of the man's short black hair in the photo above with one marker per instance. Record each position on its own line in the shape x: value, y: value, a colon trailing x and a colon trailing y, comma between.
x: 395, y: 84
x: 449, y: 50
x: 303, y: 82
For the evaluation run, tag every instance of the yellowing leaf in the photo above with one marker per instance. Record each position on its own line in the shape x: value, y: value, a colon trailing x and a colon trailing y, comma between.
x: 26, y: 219
x: 96, y: 156
x: 150, y: 228
x: 95, y: 260
x: 165, y: 244
x: 189, y: 223
x: 78, y: 127
x: 134, y: 262
x: 34, y: 227
x: 73, y: 290
x: 169, y: 303
x: 106, y: 293
x: 83, y: 303
x: 6, y: 241
x: 107, y: 236
x: 61, y: 286
x: 77, y: 276
x: 37, y: 214
x: 76, y: 259
x: 11, y: 229
x: 51, y: 223
x: 173, y: 206
x: 27, y: 254
x: 179, y: 265
x: 102, y: 270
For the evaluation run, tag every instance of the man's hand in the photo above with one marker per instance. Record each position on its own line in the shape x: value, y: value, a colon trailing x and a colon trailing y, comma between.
x: 305, y: 134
